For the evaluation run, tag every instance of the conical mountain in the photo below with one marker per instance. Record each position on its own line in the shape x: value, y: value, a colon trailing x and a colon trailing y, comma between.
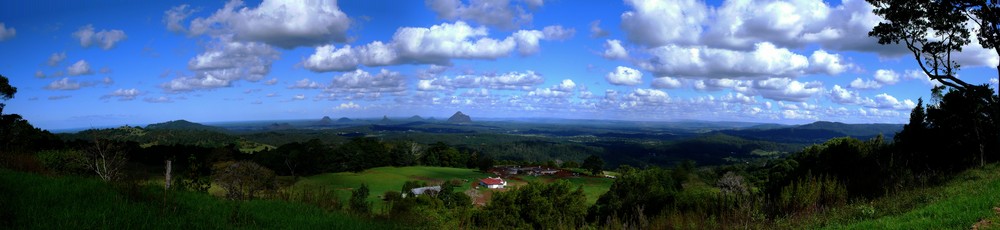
x: 459, y: 117
x: 326, y: 120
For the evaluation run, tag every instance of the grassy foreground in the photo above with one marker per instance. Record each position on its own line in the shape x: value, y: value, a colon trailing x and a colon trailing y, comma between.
x: 968, y: 199
x: 31, y: 201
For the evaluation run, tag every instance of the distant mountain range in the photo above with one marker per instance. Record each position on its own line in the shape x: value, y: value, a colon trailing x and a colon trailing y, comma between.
x: 815, y: 132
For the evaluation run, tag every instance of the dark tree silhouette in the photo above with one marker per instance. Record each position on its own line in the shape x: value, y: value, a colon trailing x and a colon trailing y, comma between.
x: 933, y: 30
x: 594, y: 164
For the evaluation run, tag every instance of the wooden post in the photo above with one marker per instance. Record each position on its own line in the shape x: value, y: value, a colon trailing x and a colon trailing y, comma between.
x: 167, y: 179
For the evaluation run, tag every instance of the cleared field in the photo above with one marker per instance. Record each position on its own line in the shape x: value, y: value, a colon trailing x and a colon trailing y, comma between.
x: 382, y: 179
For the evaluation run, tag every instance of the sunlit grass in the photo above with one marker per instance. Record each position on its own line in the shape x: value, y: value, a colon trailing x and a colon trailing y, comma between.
x: 30, y: 201
x: 967, y: 199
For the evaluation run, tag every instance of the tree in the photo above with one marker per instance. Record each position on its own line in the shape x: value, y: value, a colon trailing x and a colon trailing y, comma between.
x: 636, y: 193
x: 16, y: 134
x: 106, y: 158
x: 932, y: 30
x: 594, y: 164
x: 359, y: 200
x: 485, y: 163
x: 536, y: 206
x: 242, y: 180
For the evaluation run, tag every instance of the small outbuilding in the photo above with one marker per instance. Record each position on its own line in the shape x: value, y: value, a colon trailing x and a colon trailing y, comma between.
x: 429, y: 190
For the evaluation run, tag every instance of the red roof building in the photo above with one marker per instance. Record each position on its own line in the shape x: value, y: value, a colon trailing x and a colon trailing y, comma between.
x: 493, y: 182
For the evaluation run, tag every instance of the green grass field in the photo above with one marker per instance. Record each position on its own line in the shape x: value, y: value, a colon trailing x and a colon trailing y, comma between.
x: 31, y: 201
x: 967, y: 199
x: 384, y: 179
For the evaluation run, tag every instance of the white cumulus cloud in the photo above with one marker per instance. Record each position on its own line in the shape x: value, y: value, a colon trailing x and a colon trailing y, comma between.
x: 438, y: 44
x: 348, y: 105
x: 865, y: 84
x: 81, y: 67
x: 285, y: 24
x: 666, y: 83
x: 886, y: 77
x: 55, y: 58
x: 106, y: 39
x: 766, y: 60
x: 624, y: 76
x: 224, y: 62
x: 613, y: 50
x: 64, y: 84
x: 659, y: 23
x: 123, y: 94
x: 505, y: 14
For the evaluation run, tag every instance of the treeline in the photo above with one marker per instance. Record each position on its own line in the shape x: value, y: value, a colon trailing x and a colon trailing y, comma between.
x: 957, y: 133
x: 313, y: 156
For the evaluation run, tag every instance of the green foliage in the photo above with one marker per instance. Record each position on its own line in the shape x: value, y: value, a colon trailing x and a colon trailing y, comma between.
x: 571, y: 164
x: 196, y: 177
x: 594, y: 164
x: 965, y: 122
x: 297, y: 159
x: 243, y: 180
x: 452, y: 198
x: 810, y: 194
x: 857, y: 163
x: 440, y: 154
x: 64, y: 161
x: 6, y: 90
x: 384, y: 179
x: 485, y: 163
x: 636, y: 193
x: 538, y: 206
x: 359, y: 201
x: 959, y: 204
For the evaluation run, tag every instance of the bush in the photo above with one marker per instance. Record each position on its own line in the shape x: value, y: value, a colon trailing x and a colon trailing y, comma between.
x: 63, y: 161
x: 810, y: 194
x: 358, y: 202
x: 244, y: 179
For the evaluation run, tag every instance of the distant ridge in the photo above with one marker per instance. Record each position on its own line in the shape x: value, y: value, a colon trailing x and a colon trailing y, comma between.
x: 344, y: 119
x: 459, y: 117
x: 816, y: 132
x: 183, y: 125
x: 416, y: 118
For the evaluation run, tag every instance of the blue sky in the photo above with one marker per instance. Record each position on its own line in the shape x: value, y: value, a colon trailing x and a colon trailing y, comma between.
x: 109, y: 63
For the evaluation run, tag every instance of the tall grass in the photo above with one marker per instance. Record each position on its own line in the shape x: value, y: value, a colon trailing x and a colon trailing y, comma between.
x: 968, y: 198
x: 31, y: 201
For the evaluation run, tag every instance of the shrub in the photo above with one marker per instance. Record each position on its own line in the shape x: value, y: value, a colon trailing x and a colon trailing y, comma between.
x: 810, y: 194
x: 63, y: 161
x: 244, y: 179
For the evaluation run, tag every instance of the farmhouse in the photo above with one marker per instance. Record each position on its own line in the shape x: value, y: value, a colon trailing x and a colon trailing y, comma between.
x: 493, y: 182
